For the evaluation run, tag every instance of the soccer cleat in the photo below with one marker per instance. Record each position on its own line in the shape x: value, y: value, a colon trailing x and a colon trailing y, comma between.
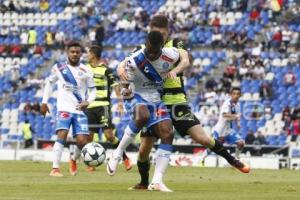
x: 73, y: 167
x: 112, y: 165
x: 90, y: 169
x: 55, y: 172
x: 243, y: 167
x: 138, y: 186
x: 127, y: 164
x: 159, y: 187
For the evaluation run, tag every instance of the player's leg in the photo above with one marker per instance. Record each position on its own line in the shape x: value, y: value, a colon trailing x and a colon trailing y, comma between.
x: 198, y: 134
x: 185, y: 121
x: 108, y: 127
x: 140, y: 118
x: 110, y: 136
x: 164, y: 131
x: 63, y: 123
x: 80, y: 131
x: 235, y: 138
x: 143, y: 162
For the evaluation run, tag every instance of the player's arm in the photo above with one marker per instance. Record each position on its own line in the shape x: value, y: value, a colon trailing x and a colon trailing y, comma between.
x: 122, y: 65
x: 116, y: 87
x: 91, y: 91
x: 184, y: 62
x: 48, y: 90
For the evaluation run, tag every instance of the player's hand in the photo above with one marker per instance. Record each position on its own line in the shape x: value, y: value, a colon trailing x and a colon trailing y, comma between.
x: 171, y: 74
x: 122, y: 73
x: 44, y: 109
x: 120, y: 108
x: 83, y: 105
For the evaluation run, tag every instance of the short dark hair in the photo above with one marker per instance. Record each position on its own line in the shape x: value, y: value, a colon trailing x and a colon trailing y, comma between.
x: 160, y: 21
x: 96, y: 50
x: 155, y: 39
x: 236, y: 88
x: 73, y: 44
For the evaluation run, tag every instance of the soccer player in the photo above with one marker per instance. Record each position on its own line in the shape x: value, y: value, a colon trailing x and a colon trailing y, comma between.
x: 99, y: 111
x: 74, y: 81
x: 146, y: 70
x: 183, y: 119
x: 229, y: 120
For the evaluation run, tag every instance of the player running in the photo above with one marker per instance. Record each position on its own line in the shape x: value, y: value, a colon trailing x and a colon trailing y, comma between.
x: 146, y: 70
x: 99, y: 111
x: 229, y: 120
x: 74, y: 80
x: 183, y: 119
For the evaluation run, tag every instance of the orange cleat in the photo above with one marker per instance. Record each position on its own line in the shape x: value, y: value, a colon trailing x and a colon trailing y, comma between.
x: 243, y: 167
x: 73, y: 167
x: 90, y: 169
x: 127, y: 164
x: 55, y: 172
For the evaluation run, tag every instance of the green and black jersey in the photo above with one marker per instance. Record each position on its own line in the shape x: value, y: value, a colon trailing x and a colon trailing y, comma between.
x: 104, y: 81
x: 173, y: 92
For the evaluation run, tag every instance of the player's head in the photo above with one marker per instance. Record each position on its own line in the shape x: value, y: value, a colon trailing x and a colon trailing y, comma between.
x: 74, y: 52
x: 235, y: 94
x: 154, y: 45
x: 95, y: 52
x: 160, y: 23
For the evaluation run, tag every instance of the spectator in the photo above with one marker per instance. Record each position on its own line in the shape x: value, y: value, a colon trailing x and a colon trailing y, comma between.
x: 100, y: 34
x: 242, y: 39
x: 254, y: 16
x: 59, y: 39
x: 276, y: 38
x: 261, y: 140
x: 216, y: 38
x: 24, y: 37
x: 210, y: 97
x: 265, y: 91
x: 289, y: 79
x: 286, y: 36
x: 27, y: 108
x: 32, y: 36
x: 295, y: 129
x: 49, y: 36
x: 44, y: 5
x: 211, y: 84
x: 27, y: 134
x: 258, y: 71
x: 250, y: 138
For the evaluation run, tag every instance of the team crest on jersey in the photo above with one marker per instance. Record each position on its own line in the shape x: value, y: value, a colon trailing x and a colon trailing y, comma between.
x: 65, y: 71
x: 165, y: 65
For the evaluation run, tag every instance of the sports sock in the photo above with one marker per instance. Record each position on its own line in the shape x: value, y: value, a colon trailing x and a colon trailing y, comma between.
x: 129, y: 134
x: 162, y: 161
x: 237, y: 152
x: 57, y: 152
x: 220, y: 150
x: 144, y: 168
x: 74, y: 152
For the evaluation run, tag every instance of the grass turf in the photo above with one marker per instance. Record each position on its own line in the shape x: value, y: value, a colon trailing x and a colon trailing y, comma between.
x: 30, y: 181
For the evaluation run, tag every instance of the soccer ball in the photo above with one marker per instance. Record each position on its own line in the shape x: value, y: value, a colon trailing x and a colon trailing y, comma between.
x: 93, y: 154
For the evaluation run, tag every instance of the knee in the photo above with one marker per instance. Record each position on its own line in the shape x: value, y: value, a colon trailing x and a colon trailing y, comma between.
x: 142, y: 116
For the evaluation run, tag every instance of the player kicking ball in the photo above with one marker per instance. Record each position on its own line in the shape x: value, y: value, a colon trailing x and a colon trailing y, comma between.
x: 146, y: 70
x: 74, y: 81
x: 229, y: 119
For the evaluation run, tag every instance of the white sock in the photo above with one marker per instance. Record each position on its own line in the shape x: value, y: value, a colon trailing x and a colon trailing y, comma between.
x: 126, y: 140
x: 205, y: 153
x: 74, y: 152
x: 162, y: 162
x: 57, y: 151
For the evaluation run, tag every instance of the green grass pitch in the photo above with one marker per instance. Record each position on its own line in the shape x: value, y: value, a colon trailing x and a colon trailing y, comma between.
x: 24, y: 180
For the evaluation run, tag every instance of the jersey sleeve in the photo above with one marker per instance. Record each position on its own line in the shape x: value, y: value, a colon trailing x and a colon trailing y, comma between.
x: 130, y: 68
x: 90, y: 79
x: 111, y: 78
x: 225, y: 108
x: 54, y: 74
x: 173, y: 54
